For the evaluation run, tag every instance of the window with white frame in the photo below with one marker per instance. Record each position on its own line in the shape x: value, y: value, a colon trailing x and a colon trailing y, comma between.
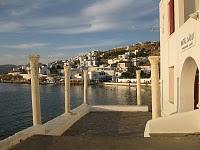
x: 190, y: 7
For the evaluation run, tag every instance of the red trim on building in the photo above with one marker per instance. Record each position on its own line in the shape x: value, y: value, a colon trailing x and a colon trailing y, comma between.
x: 171, y: 16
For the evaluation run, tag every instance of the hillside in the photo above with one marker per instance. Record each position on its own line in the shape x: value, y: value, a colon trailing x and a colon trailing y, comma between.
x: 6, y: 68
x: 144, y: 50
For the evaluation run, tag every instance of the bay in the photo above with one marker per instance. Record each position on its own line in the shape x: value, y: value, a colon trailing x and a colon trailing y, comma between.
x: 16, y: 108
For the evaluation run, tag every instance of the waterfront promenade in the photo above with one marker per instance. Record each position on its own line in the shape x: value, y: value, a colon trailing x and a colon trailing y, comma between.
x: 109, y: 131
x: 97, y: 125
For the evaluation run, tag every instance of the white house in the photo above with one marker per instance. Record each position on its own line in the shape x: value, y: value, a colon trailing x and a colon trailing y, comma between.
x: 90, y: 63
x: 100, y: 72
x: 123, y: 66
x: 146, y: 69
x: 180, y: 63
x: 44, y: 70
x: 96, y: 75
x: 113, y: 61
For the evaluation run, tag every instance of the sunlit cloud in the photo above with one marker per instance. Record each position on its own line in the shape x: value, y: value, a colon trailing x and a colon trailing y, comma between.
x: 64, y: 28
x: 91, y: 45
x: 26, y: 46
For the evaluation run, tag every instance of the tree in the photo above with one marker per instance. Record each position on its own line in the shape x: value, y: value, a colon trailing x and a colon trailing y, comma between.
x: 127, y: 75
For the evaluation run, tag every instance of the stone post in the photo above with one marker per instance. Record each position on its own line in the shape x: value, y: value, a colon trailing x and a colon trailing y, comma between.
x: 35, y: 89
x: 67, y: 88
x: 199, y: 6
x: 156, y: 110
x: 198, y: 2
x: 139, y: 101
x: 85, y: 87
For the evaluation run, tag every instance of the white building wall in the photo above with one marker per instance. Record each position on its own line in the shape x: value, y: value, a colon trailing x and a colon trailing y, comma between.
x: 173, y: 54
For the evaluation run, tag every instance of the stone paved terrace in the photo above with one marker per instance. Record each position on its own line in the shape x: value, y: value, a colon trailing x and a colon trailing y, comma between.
x: 109, y: 131
x: 110, y: 124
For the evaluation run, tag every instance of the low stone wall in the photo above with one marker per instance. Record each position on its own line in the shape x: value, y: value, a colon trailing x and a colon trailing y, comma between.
x: 124, y: 108
x: 61, y: 123
x: 122, y: 84
x: 22, y: 135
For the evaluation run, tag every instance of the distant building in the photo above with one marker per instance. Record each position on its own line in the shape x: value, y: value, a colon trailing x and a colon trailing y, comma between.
x: 44, y: 70
x: 97, y: 75
x: 101, y: 72
x: 123, y: 66
x: 146, y: 69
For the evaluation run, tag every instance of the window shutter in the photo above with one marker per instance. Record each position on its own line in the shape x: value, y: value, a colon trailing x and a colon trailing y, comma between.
x: 171, y: 16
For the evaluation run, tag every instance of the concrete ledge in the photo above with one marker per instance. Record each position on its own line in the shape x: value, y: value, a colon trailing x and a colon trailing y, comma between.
x: 124, y: 84
x: 120, y: 84
x: 60, y: 124
x: 127, y: 108
x: 22, y: 135
x: 177, y: 124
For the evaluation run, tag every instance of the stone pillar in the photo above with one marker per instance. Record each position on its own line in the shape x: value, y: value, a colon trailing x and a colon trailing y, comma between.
x: 155, y: 88
x: 198, y: 2
x: 67, y: 88
x: 85, y: 87
x: 139, y: 101
x: 35, y: 89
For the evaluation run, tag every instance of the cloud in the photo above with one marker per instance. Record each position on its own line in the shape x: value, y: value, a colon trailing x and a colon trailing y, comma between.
x: 106, y: 7
x: 26, y: 7
x: 95, y: 45
x: 90, y: 23
x: 26, y: 46
x: 11, y: 26
x: 99, y: 16
x: 10, y: 58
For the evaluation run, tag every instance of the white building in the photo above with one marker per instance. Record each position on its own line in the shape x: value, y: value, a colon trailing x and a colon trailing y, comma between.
x: 123, y: 66
x: 146, y: 69
x: 76, y: 73
x: 109, y: 71
x: 101, y: 72
x: 96, y: 75
x: 90, y: 63
x: 113, y: 61
x: 44, y: 70
x: 180, y: 63
x: 135, y: 61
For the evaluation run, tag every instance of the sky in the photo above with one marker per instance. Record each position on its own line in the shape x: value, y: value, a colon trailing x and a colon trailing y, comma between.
x: 60, y: 29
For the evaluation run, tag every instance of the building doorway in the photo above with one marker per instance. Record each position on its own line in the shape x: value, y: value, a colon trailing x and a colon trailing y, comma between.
x: 189, y: 86
x: 196, y: 90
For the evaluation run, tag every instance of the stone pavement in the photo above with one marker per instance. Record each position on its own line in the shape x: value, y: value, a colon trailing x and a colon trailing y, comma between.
x: 109, y: 131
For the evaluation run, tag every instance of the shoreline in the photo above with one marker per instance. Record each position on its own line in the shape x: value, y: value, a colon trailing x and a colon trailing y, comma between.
x: 78, y: 83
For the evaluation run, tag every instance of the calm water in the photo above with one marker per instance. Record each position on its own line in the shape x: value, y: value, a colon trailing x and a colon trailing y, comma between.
x: 16, y: 109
